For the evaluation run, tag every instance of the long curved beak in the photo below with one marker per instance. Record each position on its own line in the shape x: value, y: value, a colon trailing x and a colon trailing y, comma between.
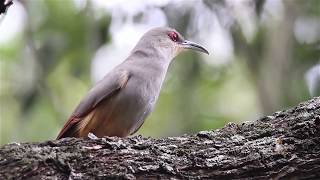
x: 193, y: 46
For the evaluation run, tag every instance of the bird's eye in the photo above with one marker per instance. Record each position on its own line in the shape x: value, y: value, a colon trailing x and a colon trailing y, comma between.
x: 173, y: 36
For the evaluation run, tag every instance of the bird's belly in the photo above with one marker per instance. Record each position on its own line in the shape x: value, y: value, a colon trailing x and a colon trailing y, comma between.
x: 129, y: 109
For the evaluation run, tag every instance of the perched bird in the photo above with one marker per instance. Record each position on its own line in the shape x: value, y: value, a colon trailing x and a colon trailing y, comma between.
x: 119, y: 103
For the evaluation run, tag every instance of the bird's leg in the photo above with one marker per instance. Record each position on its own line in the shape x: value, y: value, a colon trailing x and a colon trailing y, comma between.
x: 92, y: 136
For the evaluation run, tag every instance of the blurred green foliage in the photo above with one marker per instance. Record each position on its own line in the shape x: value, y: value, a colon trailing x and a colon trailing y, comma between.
x: 45, y: 71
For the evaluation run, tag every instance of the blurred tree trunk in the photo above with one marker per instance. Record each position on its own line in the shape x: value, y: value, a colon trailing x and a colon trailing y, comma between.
x: 284, y: 145
x: 269, y: 58
x: 275, y: 65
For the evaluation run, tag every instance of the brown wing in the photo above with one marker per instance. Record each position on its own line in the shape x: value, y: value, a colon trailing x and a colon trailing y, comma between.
x: 106, y: 88
x: 68, y: 128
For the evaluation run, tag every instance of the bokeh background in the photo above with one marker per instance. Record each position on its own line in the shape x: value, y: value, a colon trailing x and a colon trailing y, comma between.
x: 264, y: 57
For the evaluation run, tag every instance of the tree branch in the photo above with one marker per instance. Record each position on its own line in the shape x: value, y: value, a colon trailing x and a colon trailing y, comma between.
x: 5, y: 5
x: 283, y: 145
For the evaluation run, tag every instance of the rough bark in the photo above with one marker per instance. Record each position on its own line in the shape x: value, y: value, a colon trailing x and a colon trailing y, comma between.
x: 284, y: 145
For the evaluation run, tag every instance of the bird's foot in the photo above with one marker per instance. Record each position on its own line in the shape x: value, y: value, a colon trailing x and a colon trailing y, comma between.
x: 92, y: 136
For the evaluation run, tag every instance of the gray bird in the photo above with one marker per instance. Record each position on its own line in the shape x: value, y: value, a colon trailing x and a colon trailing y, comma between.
x: 119, y: 103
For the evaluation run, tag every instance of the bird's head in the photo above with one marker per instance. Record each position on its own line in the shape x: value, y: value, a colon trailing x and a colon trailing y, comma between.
x: 168, y: 41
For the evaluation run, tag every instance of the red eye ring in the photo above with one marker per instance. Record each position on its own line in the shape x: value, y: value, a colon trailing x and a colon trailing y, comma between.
x: 173, y: 36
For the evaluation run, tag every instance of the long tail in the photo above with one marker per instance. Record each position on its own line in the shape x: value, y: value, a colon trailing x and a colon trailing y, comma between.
x: 70, y: 128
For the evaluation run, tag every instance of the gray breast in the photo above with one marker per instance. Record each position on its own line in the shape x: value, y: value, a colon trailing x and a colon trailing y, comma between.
x: 136, y: 101
x: 141, y: 92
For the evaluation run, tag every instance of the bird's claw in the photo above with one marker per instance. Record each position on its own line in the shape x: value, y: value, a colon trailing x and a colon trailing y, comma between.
x: 92, y: 136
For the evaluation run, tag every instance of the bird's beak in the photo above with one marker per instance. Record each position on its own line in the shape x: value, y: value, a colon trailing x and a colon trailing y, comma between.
x: 193, y: 46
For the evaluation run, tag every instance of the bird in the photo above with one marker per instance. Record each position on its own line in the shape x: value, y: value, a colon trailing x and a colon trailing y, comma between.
x: 119, y: 103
